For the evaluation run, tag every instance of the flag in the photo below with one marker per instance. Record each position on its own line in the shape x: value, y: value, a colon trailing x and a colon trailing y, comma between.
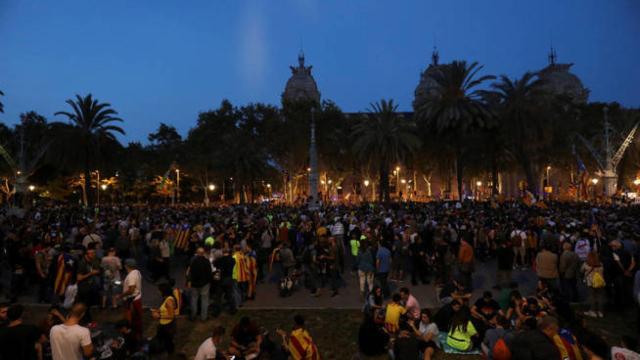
x: 302, y: 347
x: 240, y: 270
x: 252, y: 270
x: 64, y: 272
x: 182, y: 238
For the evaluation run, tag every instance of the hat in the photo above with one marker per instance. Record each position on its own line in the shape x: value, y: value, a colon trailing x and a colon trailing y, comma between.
x: 130, y: 262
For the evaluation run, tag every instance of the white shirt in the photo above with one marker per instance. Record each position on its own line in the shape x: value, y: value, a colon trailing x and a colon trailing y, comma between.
x: 207, y: 350
x: 67, y: 341
x: 91, y: 238
x: 134, y: 278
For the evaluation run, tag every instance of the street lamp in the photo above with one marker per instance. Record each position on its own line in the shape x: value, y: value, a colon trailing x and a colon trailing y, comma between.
x: 366, y: 183
x: 478, y: 183
x: 32, y: 187
x: 103, y: 187
x: 212, y: 187
x: 636, y: 182
x: 178, y: 185
x: 594, y: 181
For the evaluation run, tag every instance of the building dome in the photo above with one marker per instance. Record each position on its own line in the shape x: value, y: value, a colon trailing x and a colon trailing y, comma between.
x: 560, y: 81
x: 427, y: 84
x: 301, y: 86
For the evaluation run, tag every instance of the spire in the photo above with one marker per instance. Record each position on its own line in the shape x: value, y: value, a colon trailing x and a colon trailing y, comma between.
x: 552, y: 56
x: 301, y: 58
x: 435, y: 56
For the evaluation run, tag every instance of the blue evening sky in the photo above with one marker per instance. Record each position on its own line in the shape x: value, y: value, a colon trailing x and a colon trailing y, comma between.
x: 165, y: 61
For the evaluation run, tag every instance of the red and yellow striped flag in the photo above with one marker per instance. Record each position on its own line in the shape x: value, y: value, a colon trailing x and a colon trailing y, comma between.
x: 302, y: 347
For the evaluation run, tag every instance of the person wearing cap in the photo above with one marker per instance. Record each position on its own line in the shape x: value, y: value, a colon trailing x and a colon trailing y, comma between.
x: 132, y: 295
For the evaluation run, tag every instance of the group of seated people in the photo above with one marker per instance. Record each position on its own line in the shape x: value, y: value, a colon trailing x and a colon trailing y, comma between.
x: 509, y: 326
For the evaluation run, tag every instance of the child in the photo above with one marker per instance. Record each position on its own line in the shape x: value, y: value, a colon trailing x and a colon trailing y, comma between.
x: 392, y: 315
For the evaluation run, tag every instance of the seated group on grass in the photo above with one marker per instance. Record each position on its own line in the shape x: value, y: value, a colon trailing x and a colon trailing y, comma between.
x: 512, y: 327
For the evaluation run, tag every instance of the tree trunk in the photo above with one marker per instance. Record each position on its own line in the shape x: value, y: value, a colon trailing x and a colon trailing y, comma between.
x: 383, y: 193
x: 87, y: 195
x: 459, y: 174
x: 494, y: 176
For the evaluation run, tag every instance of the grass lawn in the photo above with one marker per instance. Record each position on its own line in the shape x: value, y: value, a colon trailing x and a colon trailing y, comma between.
x: 334, y: 331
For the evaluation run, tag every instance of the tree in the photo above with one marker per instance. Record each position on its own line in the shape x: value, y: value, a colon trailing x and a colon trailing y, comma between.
x: 91, y: 123
x: 166, y: 137
x: 456, y: 108
x: 521, y: 113
x: 384, y: 138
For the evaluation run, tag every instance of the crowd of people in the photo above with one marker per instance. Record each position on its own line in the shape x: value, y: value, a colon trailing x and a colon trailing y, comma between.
x: 585, y: 258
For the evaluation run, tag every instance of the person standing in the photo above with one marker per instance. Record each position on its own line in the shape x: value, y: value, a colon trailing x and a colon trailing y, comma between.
x: 383, y: 266
x: 132, y: 296
x: 199, y: 278
x: 111, y: 266
x: 593, y: 273
x: 547, y: 267
x: 69, y: 340
x: 465, y: 262
x: 88, y: 279
x: 504, y: 256
x: 225, y: 289
x: 568, y: 269
x: 166, y: 316
x: 240, y: 273
x: 366, y: 269
x: 18, y: 340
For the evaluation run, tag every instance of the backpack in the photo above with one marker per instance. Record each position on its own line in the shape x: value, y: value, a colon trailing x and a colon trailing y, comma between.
x: 597, y: 282
x: 500, y: 350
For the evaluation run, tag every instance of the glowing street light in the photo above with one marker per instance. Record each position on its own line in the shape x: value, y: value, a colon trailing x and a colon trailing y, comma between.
x: 330, y: 181
x: 269, y: 186
x: 478, y: 183
x: 212, y: 187
x: 403, y: 181
x: 103, y: 187
x: 398, y: 168
x: 636, y: 182
x: 32, y: 187
x: 594, y: 181
x: 366, y: 183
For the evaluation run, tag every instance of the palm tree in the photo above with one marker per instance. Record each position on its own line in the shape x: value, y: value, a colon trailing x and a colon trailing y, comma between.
x: 91, y: 123
x: 456, y: 107
x: 520, y: 109
x: 384, y: 138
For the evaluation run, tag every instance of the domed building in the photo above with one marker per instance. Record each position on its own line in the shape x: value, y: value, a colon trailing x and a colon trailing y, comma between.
x: 560, y: 81
x: 301, y: 86
x: 427, y: 84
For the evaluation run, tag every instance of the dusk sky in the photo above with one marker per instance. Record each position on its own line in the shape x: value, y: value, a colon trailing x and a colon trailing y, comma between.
x: 165, y: 61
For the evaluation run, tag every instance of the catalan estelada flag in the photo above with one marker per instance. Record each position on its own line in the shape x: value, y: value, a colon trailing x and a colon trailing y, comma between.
x: 64, y: 272
x: 240, y: 270
x: 182, y: 238
x: 252, y: 270
x: 302, y: 347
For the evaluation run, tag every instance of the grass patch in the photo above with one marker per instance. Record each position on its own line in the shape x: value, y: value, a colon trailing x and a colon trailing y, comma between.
x: 334, y: 331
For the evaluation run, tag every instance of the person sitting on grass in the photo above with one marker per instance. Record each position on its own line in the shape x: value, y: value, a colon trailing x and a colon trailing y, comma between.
x: 462, y: 332
x: 405, y: 346
x: 492, y: 336
x: 427, y: 334
x: 245, y: 339
x: 299, y: 343
x: 208, y: 350
x: 393, y: 313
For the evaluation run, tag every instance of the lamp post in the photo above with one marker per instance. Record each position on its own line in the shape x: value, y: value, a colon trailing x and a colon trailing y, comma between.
x: 398, y: 180
x: 478, y: 190
x: 366, y: 188
x: 594, y: 181
x: 178, y: 185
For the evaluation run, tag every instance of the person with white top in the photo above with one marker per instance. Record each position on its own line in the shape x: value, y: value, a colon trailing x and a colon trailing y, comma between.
x: 70, y: 341
x: 132, y: 295
x: 208, y: 348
